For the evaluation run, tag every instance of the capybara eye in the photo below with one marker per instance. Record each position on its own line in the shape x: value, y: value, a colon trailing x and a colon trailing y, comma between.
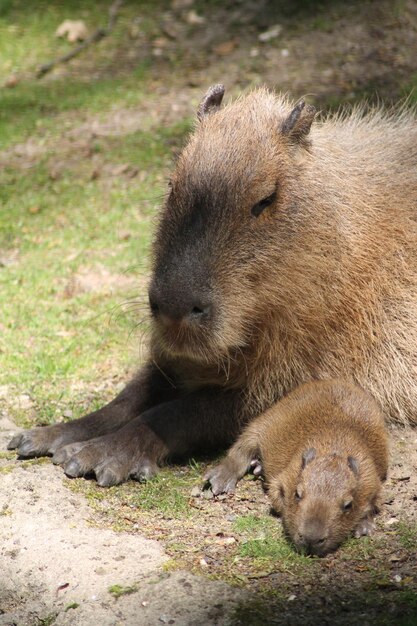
x: 347, y: 506
x: 260, y: 206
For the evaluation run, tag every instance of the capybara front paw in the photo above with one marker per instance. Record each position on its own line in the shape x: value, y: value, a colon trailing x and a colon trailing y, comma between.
x: 222, y: 479
x: 110, y: 464
x: 39, y: 441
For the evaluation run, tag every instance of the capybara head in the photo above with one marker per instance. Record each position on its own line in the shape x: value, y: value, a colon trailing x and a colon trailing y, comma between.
x: 231, y: 208
x: 322, y: 502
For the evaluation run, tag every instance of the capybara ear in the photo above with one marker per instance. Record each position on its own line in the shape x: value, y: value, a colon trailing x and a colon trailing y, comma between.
x: 308, y: 456
x: 297, y: 125
x: 277, y: 494
x: 211, y: 101
x: 354, y: 465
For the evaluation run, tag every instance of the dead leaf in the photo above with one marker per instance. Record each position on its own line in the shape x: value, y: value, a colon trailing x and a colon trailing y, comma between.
x: 225, y: 48
x: 73, y: 30
x: 12, y: 81
x: 271, y: 33
x: 194, y: 19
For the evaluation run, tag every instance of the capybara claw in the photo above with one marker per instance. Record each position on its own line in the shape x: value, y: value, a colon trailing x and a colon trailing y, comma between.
x: 15, y: 441
x: 106, y: 477
x: 144, y: 472
x: 28, y: 445
x: 27, y: 450
x: 73, y: 469
x: 220, y: 480
x: 65, y: 453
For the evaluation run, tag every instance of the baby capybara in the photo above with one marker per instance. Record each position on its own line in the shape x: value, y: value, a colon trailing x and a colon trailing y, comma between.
x: 324, y: 454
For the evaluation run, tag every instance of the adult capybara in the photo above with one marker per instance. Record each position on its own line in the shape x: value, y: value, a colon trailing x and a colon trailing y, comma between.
x: 285, y: 252
x: 324, y: 453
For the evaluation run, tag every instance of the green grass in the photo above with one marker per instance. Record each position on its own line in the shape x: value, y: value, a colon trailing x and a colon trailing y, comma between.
x: 167, y: 495
x: 264, y: 542
x: 118, y: 591
x: 60, y: 217
x: 407, y: 535
x: 58, y: 225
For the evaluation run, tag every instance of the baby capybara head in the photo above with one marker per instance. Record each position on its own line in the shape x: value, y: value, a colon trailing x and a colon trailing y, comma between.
x: 322, y: 502
x: 229, y: 208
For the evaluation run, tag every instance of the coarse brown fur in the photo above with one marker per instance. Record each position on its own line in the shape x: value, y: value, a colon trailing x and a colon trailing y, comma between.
x: 324, y: 453
x: 285, y: 253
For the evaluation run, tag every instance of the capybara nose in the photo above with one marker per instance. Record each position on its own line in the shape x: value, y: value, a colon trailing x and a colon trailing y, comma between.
x: 315, y: 543
x: 179, y: 308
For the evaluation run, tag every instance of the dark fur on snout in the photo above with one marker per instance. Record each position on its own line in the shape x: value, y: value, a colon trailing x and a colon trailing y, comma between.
x: 324, y: 454
x: 285, y: 252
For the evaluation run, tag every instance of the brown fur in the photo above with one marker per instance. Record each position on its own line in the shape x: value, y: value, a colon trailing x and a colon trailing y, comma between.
x: 323, y: 447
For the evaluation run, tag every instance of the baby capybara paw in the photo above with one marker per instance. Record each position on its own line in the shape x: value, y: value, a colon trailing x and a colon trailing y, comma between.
x: 222, y: 479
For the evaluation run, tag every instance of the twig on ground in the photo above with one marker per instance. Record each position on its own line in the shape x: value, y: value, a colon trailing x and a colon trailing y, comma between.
x: 98, y: 34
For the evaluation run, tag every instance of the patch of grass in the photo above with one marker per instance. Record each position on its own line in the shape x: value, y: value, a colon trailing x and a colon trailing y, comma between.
x: 407, y: 535
x: 118, y: 590
x: 168, y: 495
x: 47, y: 621
x: 265, y: 543
x: 54, y: 333
x: 363, y: 549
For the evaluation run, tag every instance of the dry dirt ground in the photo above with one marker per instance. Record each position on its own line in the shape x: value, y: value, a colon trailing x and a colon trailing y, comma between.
x: 60, y: 562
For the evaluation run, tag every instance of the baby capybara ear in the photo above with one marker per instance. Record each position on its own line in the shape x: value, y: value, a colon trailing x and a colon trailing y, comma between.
x: 298, y: 123
x: 307, y: 457
x: 211, y: 101
x: 354, y: 465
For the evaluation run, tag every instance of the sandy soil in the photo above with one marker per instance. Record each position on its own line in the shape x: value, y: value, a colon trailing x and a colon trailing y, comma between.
x: 53, y: 559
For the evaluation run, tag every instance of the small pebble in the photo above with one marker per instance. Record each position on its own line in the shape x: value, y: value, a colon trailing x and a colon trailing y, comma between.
x: 196, y: 492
